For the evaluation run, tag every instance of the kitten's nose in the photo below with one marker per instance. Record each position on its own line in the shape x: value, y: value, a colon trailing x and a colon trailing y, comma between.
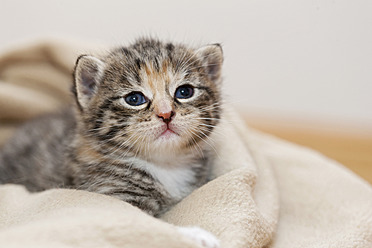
x: 166, y: 116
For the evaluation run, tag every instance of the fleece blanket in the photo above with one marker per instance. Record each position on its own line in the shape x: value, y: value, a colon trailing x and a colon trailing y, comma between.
x: 289, y: 197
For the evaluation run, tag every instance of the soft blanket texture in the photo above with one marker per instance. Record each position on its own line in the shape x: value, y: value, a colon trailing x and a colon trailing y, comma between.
x: 289, y: 197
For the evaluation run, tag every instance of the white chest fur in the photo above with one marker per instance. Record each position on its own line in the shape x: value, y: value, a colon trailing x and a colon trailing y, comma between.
x: 177, y: 180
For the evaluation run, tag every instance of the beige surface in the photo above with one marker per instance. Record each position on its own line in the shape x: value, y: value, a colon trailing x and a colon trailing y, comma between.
x: 351, y: 147
x: 320, y: 203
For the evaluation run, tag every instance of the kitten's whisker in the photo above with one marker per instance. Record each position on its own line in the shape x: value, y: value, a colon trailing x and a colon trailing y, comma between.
x: 211, y: 145
x: 196, y: 145
x: 215, y: 130
x: 137, y: 150
x: 118, y: 148
x: 111, y: 150
x: 128, y: 148
x: 108, y: 127
x: 206, y: 141
x: 121, y: 157
x: 205, y: 110
x: 207, y: 118
x: 207, y: 125
x: 214, y: 105
x: 99, y: 147
x: 216, y: 119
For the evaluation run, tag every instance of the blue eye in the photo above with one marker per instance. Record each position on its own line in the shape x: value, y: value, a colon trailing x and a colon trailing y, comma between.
x: 184, y: 91
x: 135, y: 99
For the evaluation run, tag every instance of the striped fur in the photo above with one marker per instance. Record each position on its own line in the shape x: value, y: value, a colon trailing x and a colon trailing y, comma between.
x: 107, y: 146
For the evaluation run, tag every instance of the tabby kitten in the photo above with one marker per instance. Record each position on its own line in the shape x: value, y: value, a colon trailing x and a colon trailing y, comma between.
x: 139, y: 129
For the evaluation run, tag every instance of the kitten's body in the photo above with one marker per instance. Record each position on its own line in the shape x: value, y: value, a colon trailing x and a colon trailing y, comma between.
x: 152, y: 154
x: 37, y: 155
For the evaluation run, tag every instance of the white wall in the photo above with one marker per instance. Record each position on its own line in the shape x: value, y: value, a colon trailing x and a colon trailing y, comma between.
x: 308, y: 59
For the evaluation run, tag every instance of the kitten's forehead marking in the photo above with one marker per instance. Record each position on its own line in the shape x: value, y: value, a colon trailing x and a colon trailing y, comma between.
x: 157, y: 80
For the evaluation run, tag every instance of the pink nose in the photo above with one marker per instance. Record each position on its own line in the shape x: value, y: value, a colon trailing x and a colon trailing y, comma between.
x: 166, y: 117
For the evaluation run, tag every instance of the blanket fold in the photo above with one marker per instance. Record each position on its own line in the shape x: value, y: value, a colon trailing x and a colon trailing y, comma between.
x: 289, y: 197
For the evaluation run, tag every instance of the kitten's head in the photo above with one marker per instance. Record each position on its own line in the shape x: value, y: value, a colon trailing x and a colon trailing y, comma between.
x: 149, y: 98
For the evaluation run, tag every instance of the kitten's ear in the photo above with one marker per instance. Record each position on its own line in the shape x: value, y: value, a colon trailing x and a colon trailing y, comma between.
x: 87, y: 75
x: 211, y: 57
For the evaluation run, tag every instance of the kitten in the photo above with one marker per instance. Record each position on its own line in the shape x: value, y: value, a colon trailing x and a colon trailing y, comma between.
x: 146, y: 126
x: 139, y: 129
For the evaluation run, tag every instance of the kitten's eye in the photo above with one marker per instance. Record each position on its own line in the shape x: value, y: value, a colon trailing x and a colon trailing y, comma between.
x: 184, y: 91
x: 135, y: 98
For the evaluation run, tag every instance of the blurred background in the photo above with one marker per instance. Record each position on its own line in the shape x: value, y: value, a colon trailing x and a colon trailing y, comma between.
x: 301, y: 70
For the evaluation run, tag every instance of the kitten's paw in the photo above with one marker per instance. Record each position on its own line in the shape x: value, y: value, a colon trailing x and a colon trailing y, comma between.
x: 200, y: 236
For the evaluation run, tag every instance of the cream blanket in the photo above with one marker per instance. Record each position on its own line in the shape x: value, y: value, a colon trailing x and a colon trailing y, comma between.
x: 290, y: 197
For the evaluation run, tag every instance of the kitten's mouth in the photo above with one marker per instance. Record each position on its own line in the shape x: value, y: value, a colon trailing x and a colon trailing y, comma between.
x: 168, y: 133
